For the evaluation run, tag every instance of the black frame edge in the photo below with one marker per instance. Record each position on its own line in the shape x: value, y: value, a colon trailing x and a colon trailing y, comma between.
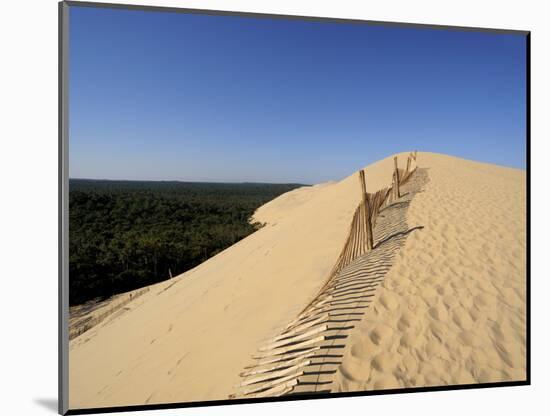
x: 63, y: 235
x: 528, y: 202
x: 164, y: 406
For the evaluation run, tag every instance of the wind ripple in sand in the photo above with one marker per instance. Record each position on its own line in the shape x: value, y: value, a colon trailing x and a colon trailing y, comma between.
x: 452, y: 308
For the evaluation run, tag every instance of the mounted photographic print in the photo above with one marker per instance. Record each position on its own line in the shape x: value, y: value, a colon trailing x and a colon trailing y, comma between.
x: 266, y: 208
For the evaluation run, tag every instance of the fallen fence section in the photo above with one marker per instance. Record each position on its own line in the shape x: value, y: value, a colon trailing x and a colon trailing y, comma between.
x: 282, y: 362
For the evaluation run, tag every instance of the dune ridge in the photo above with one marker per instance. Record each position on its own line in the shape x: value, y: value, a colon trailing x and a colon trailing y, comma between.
x: 312, y: 344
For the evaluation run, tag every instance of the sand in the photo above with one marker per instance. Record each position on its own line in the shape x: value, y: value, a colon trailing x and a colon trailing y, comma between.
x: 85, y: 316
x: 450, y: 307
x: 451, y: 310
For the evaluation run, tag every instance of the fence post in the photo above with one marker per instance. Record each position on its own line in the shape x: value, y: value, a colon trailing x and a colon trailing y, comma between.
x: 397, y: 194
x: 366, y: 210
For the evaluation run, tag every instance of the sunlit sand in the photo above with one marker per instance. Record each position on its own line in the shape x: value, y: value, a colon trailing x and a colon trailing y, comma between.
x: 439, y: 300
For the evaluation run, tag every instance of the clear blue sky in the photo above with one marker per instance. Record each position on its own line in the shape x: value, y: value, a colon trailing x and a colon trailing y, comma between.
x: 171, y: 96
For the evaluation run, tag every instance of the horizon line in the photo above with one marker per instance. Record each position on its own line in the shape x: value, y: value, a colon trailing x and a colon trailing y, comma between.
x: 190, y: 181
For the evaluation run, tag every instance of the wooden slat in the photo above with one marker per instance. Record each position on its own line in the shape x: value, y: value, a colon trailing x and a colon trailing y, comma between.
x: 294, y: 338
x: 281, y: 351
x: 310, y: 310
x: 278, y: 390
x: 397, y: 192
x: 284, y: 358
x: 300, y: 328
x: 261, y: 369
x: 274, y: 383
x: 368, y: 217
x: 275, y: 374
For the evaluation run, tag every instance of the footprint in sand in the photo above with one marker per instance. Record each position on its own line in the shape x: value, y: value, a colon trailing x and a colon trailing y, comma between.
x: 385, y: 362
x: 381, y: 335
x: 388, y: 300
x: 354, y: 370
x: 358, y: 350
x: 405, y: 322
x: 439, y: 313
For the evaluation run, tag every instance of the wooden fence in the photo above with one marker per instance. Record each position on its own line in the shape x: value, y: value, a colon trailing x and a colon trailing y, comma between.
x: 360, y: 236
x: 283, y: 363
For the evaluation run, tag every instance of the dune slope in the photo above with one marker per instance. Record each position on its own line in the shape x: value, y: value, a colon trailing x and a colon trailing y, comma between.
x: 452, y: 308
x: 188, y: 338
x: 448, y: 305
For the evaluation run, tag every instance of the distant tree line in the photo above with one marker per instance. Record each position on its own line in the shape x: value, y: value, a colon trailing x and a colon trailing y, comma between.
x: 128, y: 234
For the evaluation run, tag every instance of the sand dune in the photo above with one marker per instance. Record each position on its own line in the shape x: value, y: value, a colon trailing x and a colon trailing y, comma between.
x: 445, y: 286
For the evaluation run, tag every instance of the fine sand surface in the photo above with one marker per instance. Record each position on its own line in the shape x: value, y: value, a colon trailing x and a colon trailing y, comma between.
x: 450, y: 309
